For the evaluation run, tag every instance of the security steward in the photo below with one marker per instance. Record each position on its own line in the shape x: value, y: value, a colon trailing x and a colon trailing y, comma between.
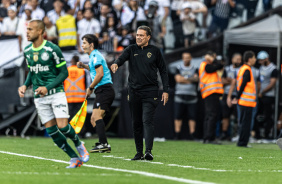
x: 246, y: 97
x: 144, y: 62
x: 211, y: 88
x: 75, y: 87
x: 66, y: 27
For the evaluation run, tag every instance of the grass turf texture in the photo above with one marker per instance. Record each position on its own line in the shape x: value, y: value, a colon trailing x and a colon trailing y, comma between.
x: 259, y: 164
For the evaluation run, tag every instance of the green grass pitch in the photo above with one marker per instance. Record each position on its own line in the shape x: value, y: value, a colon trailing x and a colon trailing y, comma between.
x: 185, y: 161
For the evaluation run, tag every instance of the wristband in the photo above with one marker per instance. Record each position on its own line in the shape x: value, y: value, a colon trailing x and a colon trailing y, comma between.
x: 91, y: 88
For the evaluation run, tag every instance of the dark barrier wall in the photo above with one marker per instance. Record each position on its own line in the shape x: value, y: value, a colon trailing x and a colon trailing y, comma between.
x: 9, y: 93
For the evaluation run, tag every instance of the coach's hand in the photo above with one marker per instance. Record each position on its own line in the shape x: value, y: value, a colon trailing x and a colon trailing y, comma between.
x: 22, y: 90
x: 114, y: 68
x: 165, y: 97
x: 42, y: 91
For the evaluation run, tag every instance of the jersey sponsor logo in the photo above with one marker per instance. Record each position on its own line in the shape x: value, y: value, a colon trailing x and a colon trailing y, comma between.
x: 60, y: 105
x: 149, y: 54
x: 39, y: 68
x: 45, y: 56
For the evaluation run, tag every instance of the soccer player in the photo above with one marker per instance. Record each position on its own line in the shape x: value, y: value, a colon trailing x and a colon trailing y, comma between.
x: 47, y: 71
x: 104, y: 91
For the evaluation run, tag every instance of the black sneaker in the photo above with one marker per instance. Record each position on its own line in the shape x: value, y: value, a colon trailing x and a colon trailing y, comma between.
x: 101, y: 148
x: 148, y: 155
x: 138, y: 156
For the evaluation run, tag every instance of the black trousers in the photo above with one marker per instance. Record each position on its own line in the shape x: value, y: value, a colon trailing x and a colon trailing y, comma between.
x: 143, y: 107
x: 245, y: 121
x: 212, y: 107
x: 266, y: 105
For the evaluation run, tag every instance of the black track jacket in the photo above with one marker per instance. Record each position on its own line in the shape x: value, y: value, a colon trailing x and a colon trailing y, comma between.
x: 143, y: 67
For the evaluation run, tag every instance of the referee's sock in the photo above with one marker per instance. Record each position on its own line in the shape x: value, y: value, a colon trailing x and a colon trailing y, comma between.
x: 61, y: 141
x: 69, y: 132
x: 100, y: 129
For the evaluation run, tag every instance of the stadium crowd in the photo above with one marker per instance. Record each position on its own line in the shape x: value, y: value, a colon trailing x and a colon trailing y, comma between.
x: 115, y: 21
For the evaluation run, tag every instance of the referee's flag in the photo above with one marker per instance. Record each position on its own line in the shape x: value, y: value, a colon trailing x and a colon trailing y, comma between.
x: 78, y: 120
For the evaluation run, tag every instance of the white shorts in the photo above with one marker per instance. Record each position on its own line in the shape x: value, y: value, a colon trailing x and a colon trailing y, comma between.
x: 52, y: 106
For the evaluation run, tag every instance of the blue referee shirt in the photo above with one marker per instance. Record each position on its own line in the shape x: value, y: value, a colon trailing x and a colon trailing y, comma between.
x: 97, y: 59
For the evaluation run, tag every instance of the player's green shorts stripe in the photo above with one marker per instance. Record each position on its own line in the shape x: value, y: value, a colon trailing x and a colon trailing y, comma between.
x: 61, y: 64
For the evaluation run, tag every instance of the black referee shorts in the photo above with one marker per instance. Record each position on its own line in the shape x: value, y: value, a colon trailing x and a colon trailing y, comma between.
x: 105, y: 96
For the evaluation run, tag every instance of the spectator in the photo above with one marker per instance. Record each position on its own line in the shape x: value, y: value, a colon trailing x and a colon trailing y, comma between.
x: 227, y: 77
x: 268, y: 79
x: 88, y: 25
x: 47, y: 5
x: 197, y: 8
x: 211, y: 88
x: 4, y: 9
x: 163, y: 8
x: 73, y: 6
x: 102, y: 16
x: 10, y: 23
x: 267, y: 4
x: 22, y: 28
x: 131, y: 13
x: 37, y: 12
x: 79, y: 16
x: 251, y: 6
x: 57, y: 12
x: 126, y: 38
x: 220, y: 17
x: 109, y: 39
x: 177, y: 24
x: 67, y: 31
x: 188, y: 24
x: 185, y: 98
x: 50, y: 30
x: 158, y: 26
x: 87, y: 5
x: 118, y: 7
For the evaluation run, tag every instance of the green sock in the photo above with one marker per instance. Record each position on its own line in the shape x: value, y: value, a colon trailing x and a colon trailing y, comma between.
x: 69, y: 132
x: 60, y: 140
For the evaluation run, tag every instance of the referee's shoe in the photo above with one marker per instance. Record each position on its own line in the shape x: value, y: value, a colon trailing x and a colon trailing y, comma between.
x: 101, y: 148
x: 148, y: 155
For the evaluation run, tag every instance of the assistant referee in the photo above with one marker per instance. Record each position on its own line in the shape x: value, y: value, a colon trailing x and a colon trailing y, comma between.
x: 144, y: 62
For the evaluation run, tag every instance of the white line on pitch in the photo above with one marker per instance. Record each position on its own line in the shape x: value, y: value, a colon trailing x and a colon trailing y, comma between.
x: 182, y: 180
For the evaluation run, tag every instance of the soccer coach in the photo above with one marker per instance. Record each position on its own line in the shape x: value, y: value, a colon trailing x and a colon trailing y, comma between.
x: 144, y: 62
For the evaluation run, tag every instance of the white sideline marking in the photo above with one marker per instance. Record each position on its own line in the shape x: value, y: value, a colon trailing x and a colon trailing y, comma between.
x: 182, y: 180
x: 172, y: 165
x: 56, y: 173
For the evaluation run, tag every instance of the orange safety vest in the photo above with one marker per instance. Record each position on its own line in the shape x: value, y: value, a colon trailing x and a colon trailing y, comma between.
x: 209, y: 82
x: 75, y: 85
x: 248, y: 97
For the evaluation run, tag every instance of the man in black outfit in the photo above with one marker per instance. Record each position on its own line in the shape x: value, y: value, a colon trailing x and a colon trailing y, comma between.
x: 144, y: 62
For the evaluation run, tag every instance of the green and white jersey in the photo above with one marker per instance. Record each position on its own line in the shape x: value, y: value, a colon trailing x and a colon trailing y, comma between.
x: 43, y: 63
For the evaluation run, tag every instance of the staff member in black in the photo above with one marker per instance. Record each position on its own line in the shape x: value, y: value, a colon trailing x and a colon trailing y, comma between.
x: 144, y: 62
